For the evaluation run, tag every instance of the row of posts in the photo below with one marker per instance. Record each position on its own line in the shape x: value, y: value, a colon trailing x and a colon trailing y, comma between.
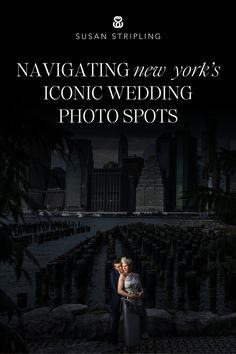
x: 65, y: 279
x: 42, y: 226
x: 160, y: 252
x: 172, y: 255
x: 53, y: 232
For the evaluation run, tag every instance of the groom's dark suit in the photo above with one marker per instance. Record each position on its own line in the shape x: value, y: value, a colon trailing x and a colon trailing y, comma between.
x: 115, y: 305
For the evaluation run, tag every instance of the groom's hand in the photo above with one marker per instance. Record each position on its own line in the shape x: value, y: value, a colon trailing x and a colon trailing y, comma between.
x: 141, y: 293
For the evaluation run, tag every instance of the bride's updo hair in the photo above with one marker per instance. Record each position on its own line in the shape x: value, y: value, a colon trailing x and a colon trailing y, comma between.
x: 126, y: 261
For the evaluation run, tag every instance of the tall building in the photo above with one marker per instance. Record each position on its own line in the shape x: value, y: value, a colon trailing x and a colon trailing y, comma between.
x: 186, y: 166
x: 233, y: 182
x: 54, y: 199
x: 233, y: 175
x: 79, y: 176
x: 55, y: 194
x: 109, y: 190
x: 38, y: 175
x: 226, y: 166
x: 209, y: 175
x: 132, y: 167
x: 166, y: 156
x: 111, y: 164
x: 122, y: 150
x: 150, y: 189
x: 57, y: 178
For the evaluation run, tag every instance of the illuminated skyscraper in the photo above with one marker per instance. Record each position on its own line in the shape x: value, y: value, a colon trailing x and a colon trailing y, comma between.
x: 79, y: 177
x: 122, y: 150
x: 186, y: 166
x: 166, y: 156
x: 150, y: 189
x: 38, y: 173
x: 132, y: 167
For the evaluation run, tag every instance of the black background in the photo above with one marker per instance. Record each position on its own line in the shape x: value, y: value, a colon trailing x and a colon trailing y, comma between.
x: 187, y: 38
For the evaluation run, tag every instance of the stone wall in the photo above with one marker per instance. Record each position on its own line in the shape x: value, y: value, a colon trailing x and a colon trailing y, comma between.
x: 79, y: 321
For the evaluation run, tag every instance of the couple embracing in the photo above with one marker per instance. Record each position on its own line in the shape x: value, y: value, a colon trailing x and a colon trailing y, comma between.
x: 126, y: 298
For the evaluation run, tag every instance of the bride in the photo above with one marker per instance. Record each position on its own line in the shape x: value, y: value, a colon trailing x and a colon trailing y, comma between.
x: 129, y: 286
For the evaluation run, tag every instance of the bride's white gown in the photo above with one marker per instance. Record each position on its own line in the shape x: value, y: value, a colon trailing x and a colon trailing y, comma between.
x: 132, y: 310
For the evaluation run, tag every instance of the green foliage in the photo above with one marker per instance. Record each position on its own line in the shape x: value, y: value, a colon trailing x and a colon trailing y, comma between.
x: 13, y: 253
x: 222, y: 203
x: 7, y: 305
x: 216, y: 200
x: 17, y: 136
x: 11, y: 341
x: 228, y: 161
x: 6, y: 245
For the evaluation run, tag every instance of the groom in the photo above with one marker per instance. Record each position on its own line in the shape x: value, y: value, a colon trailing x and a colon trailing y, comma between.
x: 115, y: 299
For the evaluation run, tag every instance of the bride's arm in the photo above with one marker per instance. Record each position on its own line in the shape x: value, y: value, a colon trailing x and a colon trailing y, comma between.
x: 120, y: 288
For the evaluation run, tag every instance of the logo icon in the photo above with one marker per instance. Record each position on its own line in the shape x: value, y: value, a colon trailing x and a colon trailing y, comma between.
x: 118, y: 22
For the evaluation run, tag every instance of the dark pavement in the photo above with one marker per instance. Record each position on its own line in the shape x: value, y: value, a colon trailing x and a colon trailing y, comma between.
x: 176, y: 345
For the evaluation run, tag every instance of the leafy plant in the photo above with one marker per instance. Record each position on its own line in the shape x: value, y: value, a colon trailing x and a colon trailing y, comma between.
x: 222, y: 203
x: 18, y: 135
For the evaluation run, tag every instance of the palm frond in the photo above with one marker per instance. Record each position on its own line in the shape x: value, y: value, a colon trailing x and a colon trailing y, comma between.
x: 8, y: 305
x: 31, y: 257
x: 210, y: 199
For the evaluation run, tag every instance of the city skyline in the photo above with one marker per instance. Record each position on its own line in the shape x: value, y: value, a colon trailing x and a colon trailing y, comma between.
x: 105, y: 148
x: 184, y: 161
